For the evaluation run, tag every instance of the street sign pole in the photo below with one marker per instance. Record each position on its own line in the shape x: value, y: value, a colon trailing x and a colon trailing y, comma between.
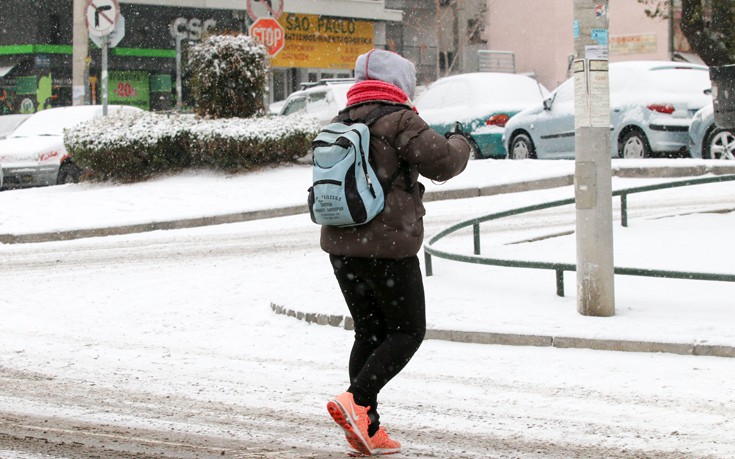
x: 179, y: 102
x: 103, y: 88
x: 593, y: 168
x: 104, y: 19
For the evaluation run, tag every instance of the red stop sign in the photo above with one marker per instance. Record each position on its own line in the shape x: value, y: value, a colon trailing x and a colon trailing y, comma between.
x: 270, y: 33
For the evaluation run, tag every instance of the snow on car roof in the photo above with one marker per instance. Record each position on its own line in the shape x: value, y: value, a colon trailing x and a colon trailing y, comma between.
x: 473, y: 89
x: 53, y: 121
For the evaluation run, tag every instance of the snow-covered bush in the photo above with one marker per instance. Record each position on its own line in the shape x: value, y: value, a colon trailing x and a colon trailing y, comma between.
x: 134, y: 147
x: 228, y: 76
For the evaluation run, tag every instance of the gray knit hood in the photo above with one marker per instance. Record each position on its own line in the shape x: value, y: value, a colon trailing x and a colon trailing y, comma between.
x: 387, y: 66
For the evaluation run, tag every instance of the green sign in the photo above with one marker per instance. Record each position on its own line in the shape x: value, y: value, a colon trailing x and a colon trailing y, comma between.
x: 161, y: 83
x: 26, y: 85
x: 129, y: 88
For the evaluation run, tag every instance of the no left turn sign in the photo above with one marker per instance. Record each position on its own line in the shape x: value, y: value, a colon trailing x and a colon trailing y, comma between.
x: 264, y: 8
x: 102, y: 16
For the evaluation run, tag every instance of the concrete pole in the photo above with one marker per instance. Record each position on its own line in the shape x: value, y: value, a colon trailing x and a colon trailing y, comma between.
x: 593, y: 171
x: 80, y: 50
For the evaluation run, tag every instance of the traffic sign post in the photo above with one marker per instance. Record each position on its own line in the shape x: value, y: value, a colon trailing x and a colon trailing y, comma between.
x: 104, y: 76
x: 264, y: 8
x: 593, y: 170
x: 115, y: 37
x: 270, y: 33
x: 102, y: 16
x: 102, y: 19
x: 179, y: 86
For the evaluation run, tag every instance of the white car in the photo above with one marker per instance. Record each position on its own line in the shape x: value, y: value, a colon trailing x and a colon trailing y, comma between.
x: 322, y: 100
x: 651, y: 107
x: 482, y: 103
x: 35, y: 155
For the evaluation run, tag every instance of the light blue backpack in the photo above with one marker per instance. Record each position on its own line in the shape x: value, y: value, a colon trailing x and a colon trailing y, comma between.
x: 346, y: 190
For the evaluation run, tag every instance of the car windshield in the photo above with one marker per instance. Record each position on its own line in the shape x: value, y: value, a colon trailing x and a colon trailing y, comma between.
x: 52, y: 122
x: 8, y: 123
x: 294, y: 105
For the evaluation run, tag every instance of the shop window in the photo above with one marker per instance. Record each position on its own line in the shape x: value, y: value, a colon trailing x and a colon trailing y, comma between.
x: 54, y: 29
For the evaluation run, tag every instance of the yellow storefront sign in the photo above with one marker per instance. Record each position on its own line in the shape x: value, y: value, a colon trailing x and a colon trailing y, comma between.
x: 323, y: 42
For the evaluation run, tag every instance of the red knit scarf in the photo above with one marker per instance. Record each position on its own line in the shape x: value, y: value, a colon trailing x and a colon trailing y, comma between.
x: 370, y: 90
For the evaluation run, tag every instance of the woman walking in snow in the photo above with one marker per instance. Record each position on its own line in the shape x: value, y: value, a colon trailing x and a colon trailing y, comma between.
x: 376, y: 264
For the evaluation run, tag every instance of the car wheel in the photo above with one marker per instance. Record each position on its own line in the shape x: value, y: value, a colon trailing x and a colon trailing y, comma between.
x: 634, y: 145
x: 476, y: 152
x: 720, y: 145
x: 522, y: 148
x: 68, y: 173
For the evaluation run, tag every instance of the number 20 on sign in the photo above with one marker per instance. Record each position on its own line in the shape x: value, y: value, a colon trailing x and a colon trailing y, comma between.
x: 270, y: 33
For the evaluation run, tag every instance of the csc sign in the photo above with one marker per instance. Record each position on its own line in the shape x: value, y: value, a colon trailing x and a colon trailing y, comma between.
x: 270, y: 33
x: 191, y: 29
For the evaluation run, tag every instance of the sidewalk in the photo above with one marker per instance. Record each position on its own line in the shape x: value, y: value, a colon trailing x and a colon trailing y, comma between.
x: 206, y: 198
x: 515, y: 309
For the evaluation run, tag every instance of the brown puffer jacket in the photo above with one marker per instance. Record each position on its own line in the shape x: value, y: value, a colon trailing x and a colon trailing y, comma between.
x: 398, y: 231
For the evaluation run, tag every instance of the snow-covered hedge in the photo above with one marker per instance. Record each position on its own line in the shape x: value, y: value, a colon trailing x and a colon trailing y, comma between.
x: 134, y: 147
x: 228, y: 76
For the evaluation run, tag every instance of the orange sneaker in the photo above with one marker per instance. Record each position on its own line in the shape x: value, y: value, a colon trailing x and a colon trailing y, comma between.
x: 381, y: 443
x: 353, y: 419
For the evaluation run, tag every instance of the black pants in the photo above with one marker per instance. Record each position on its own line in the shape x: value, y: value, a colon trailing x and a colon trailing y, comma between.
x: 386, y: 300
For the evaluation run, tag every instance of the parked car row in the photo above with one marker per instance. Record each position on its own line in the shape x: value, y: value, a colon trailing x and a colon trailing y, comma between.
x: 655, y: 111
x: 652, y: 105
x: 657, y: 108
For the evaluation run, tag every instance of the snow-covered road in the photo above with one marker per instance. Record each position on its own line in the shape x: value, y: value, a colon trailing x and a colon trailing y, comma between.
x: 164, y: 345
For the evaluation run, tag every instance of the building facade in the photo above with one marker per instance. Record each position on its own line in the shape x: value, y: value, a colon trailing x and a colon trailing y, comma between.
x: 323, y: 38
x: 542, y: 40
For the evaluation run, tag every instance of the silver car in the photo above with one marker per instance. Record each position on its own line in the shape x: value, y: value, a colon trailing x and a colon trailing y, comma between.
x: 652, y: 104
x: 707, y: 140
x: 323, y: 100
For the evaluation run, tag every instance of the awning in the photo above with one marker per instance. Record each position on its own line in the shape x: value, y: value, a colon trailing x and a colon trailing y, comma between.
x: 358, y: 9
x: 5, y: 70
x: 688, y: 57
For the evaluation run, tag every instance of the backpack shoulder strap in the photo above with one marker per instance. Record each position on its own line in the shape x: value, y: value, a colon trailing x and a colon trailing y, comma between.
x: 381, y: 111
x: 385, y: 108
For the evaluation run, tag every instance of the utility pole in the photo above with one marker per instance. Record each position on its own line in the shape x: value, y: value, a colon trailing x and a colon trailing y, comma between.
x: 671, y: 30
x: 593, y: 169
x: 80, y: 50
x: 437, y: 36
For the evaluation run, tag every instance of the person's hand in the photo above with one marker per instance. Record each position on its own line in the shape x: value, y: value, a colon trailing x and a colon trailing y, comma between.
x: 456, y: 129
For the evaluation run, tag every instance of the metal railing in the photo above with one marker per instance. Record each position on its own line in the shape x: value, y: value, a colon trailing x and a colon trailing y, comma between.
x: 560, y: 268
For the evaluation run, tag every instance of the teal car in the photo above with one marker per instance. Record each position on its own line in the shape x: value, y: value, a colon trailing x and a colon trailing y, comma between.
x: 482, y: 103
